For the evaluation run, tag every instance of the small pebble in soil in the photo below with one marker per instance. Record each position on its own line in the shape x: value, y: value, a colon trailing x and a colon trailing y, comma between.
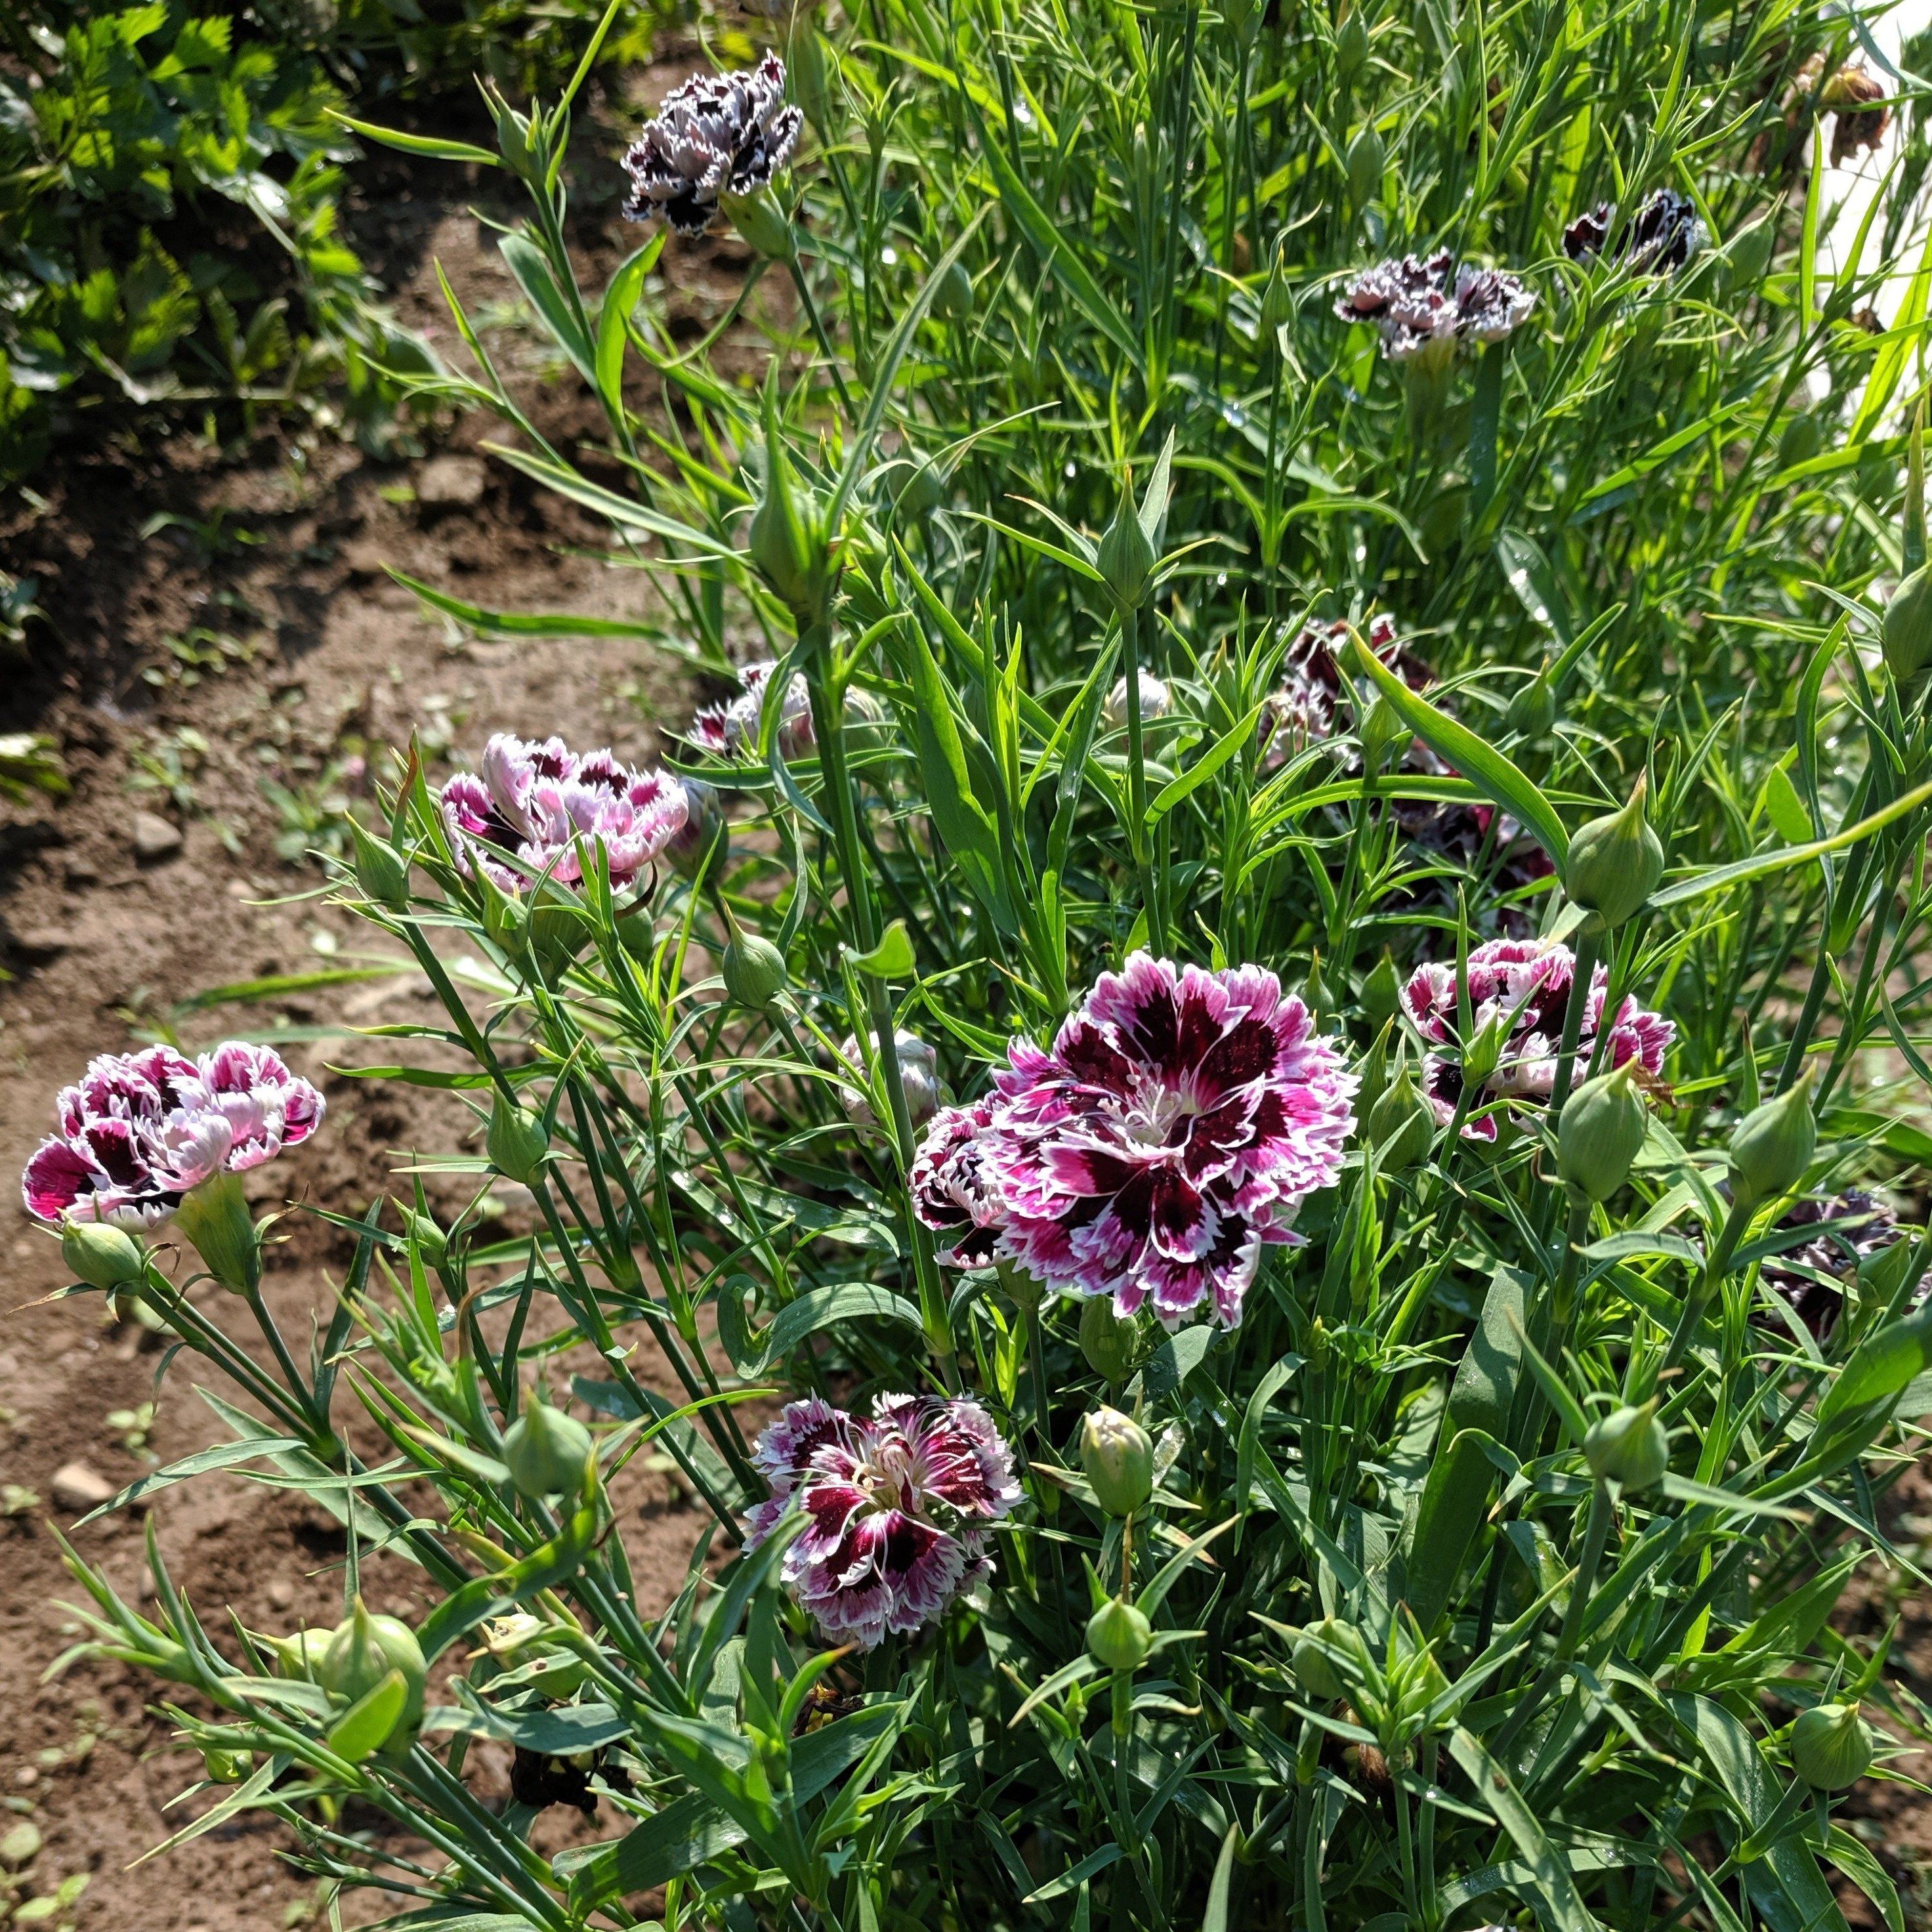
x: 282, y: 1593
x: 155, y: 837
x: 83, y: 872
x: 451, y: 482
x: 76, y: 1487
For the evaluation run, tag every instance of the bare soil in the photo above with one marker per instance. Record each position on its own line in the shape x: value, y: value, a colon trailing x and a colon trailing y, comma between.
x: 327, y: 662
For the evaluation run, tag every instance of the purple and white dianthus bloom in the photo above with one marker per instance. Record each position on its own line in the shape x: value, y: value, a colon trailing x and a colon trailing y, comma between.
x: 1424, y: 306
x: 543, y: 803
x: 730, y: 729
x: 896, y: 1509
x: 1664, y: 234
x: 716, y: 134
x: 1179, y: 1121
x: 1525, y: 985
x: 137, y: 1130
x: 1300, y: 711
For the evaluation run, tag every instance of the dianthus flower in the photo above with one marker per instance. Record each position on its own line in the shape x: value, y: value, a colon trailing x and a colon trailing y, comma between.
x: 540, y: 802
x: 716, y: 134
x: 895, y: 1508
x: 730, y: 729
x: 139, y: 1129
x: 1524, y: 983
x: 1180, y: 1120
x: 1665, y: 233
x: 1422, y: 309
x: 1846, y: 1229
x: 1301, y: 710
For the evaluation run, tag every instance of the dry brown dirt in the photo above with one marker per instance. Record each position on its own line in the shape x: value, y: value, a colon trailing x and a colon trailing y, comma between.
x: 282, y: 552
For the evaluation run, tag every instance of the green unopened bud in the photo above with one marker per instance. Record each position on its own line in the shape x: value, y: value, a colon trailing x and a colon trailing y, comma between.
x: 1401, y: 1125
x: 101, y: 1254
x: 226, y: 1767
x: 1830, y: 1746
x: 1748, y: 255
x: 754, y: 970
x: 1533, y: 709
x: 214, y: 1216
x: 1119, y: 1636
x: 432, y: 1243
x: 953, y: 298
x: 1615, y: 862
x: 1107, y: 1341
x: 513, y: 133
x: 1771, y: 1146
x: 1023, y: 1290
x: 1629, y: 1447
x: 379, y: 869
x: 1908, y: 626
x: 301, y: 1653
x: 1601, y: 1131
x: 363, y: 1651
x: 1366, y: 159
x: 764, y: 226
x: 1277, y: 302
x: 699, y: 845
x: 1381, y: 729
x: 1381, y: 991
x: 1313, y: 1659
x: 546, y: 1451
x: 1351, y: 44
x: 924, y: 491
x: 787, y: 534
x: 1803, y: 437
x: 1127, y: 557
x: 1315, y: 988
x: 811, y: 64
x: 505, y: 918
x: 1117, y: 1455
x: 517, y: 1141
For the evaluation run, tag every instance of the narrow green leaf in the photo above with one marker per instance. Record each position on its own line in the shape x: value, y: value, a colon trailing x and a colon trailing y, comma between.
x: 1556, y: 1889
x: 364, y: 1727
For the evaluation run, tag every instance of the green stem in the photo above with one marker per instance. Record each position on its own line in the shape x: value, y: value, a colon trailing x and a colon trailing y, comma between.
x: 1596, y: 1536
x: 1137, y: 837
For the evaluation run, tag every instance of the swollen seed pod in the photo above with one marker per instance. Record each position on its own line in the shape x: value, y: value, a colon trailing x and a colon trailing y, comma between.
x: 1126, y: 557
x: 1601, y: 1131
x: 1401, y: 1125
x: 1629, y: 1447
x: 546, y: 1451
x: 1908, y: 626
x: 363, y: 1650
x: 754, y: 970
x: 1830, y: 1746
x: 1771, y: 1146
x: 101, y: 1254
x: 517, y: 1141
x: 301, y: 1653
x: 787, y: 540
x: 1277, y: 301
x: 1533, y: 709
x: 1119, y: 1636
x: 1117, y: 1455
x: 432, y: 1243
x: 380, y: 870
x: 1803, y: 437
x: 1615, y: 862
x: 1106, y: 1340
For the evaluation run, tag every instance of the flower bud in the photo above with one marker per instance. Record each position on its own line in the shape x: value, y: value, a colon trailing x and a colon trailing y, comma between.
x: 101, y: 1254
x: 1615, y: 862
x: 1381, y: 991
x: 1803, y: 437
x: 380, y: 870
x: 1629, y: 1447
x: 546, y: 1451
x: 1107, y: 1340
x: 1401, y: 1125
x: 432, y: 1243
x: 1771, y: 1146
x: 1023, y: 1289
x: 698, y: 846
x: 226, y: 1767
x: 1313, y: 1663
x: 363, y: 1651
x: 754, y: 970
x: 517, y: 1141
x: 787, y: 535
x: 1351, y: 45
x: 1277, y: 302
x: 1908, y: 626
x: 1602, y: 1130
x: 1119, y: 1636
x: 1381, y: 729
x: 1830, y: 1746
x: 1126, y: 558
x: 301, y: 1653
x: 811, y: 75
x: 1365, y: 160
x: 1117, y: 1455
x: 953, y: 298
x: 1533, y: 709
x: 214, y: 1216
x: 1156, y: 701
x: 919, y: 1078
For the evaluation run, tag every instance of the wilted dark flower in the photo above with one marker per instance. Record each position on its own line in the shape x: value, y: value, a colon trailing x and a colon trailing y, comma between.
x: 139, y: 1130
x: 919, y: 1077
x: 1858, y: 125
x: 1156, y: 701
x: 1813, y: 1276
x: 717, y: 134
x: 1524, y: 985
x: 540, y: 801
x: 1666, y: 233
x: 1170, y: 1135
x: 895, y: 1508
x: 1420, y: 309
